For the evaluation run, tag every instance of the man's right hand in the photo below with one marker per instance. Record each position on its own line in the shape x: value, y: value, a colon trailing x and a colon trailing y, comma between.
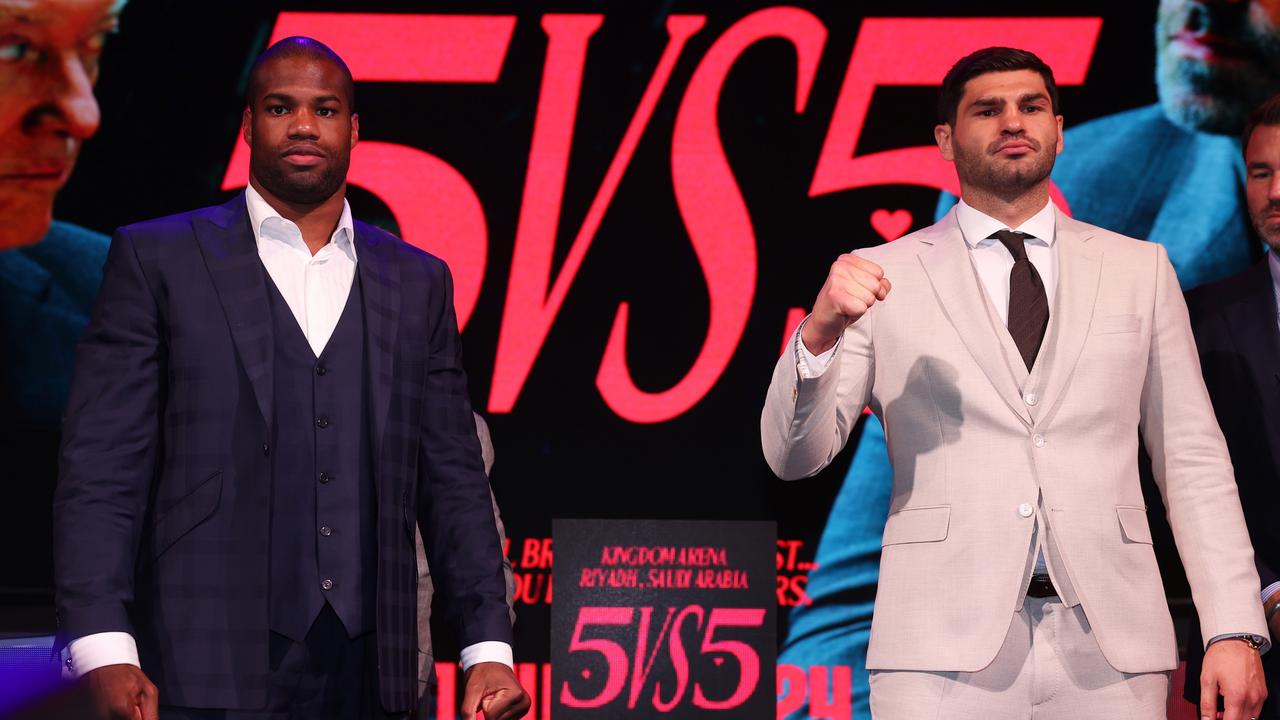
x: 122, y: 692
x: 852, y: 287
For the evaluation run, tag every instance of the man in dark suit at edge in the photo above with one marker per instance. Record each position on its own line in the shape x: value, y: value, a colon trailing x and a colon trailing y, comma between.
x: 1237, y: 330
x: 268, y: 396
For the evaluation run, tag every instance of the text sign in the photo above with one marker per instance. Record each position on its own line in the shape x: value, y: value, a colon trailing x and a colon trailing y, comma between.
x: 671, y: 619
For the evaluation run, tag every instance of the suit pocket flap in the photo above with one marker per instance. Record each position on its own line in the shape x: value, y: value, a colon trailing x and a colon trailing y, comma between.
x: 187, y: 513
x: 1133, y: 521
x: 917, y: 525
x: 1108, y: 324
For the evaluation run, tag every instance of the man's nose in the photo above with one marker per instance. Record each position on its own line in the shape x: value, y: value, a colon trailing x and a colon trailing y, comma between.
x: 1011, y: 122
x: 68, y: 105
x: 303, y: 125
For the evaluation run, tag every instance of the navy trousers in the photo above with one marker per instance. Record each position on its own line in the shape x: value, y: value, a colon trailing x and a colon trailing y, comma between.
x: 327, y: 676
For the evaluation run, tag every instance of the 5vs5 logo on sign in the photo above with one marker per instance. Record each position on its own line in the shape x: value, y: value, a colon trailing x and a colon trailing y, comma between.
x: 670, y: 619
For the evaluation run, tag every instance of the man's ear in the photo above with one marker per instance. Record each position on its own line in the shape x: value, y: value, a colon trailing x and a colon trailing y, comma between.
x: 246, y: 126
x: 942, y: 136
x: 355, y: 129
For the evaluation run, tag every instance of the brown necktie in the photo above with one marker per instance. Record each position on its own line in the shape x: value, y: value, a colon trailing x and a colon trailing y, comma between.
x: 1028, y: 303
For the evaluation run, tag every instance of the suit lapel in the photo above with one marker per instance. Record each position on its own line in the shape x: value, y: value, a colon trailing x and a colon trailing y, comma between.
x: 231, y: 255
x: 1079, y: 273
x: 380, y: 283
x: 945, y: 258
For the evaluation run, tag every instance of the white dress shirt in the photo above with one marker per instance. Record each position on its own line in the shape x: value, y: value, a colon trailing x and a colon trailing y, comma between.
x: 316, y: 288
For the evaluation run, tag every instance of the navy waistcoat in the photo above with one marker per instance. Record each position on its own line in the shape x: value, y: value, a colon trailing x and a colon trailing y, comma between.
x: 323, y: 508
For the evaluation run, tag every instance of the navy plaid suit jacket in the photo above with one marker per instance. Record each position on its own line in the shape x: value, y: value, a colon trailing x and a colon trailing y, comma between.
x: 162, y: 505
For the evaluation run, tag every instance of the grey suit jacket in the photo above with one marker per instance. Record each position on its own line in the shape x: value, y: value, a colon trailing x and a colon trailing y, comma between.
x: 975, y: 439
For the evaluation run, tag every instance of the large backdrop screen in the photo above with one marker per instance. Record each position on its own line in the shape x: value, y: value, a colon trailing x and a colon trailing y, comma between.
x: 638, y: 201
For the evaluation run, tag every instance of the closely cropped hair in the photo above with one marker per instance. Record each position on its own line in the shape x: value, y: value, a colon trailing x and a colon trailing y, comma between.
x: 1268, y: 113
x: 299, y: 46
x: 989, y: 60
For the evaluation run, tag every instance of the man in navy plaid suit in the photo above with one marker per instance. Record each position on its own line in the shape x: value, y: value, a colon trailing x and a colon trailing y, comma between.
x: 268, y: 398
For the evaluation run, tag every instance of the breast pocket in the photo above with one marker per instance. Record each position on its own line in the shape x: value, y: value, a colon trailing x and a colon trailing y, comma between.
x: 1113, y: 324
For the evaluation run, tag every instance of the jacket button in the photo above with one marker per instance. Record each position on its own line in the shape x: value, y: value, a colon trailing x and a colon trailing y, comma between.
x: 1038, y: 440
x: 321, y: 370
x: 325, y: 478
x: 266, y: 449
x: 327, y: 584
x: 325, y: 530
x: 1031, y: 398
x: 323, y: 422
x: 1025, y: 510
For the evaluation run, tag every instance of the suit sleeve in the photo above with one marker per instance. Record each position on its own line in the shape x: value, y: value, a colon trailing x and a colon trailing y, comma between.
x: 455, y: 512
x: 110, y: 441
x: 807, y: 417
x: 1224, y: 367
x: 1192, y: 468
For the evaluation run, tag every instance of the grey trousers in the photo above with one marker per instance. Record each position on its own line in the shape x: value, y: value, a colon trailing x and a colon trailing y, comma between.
x: 1049, y: 668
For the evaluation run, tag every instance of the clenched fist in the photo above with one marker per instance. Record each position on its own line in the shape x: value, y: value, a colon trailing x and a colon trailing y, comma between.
x: 493, y: 692
x: 122, y: 692
x: 852, y: 287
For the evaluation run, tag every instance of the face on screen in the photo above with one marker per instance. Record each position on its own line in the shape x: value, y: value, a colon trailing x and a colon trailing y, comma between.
x: 1005, y: 136
x: 300, y: 129
x: 49, y: 52
x: 1262, y: 184
x: 1216, y: 60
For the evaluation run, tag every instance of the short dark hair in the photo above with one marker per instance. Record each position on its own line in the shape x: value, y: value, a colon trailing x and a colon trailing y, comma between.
x: 1268, y: 113
x: 989, y: 60
x: 299, y: 46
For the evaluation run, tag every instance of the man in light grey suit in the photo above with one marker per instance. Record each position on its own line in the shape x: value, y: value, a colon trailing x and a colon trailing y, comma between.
x: 1012, y: 367
x: 1170, y: 173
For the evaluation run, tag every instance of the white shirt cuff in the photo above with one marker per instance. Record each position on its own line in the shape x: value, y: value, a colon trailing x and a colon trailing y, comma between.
x: 810, y: 365
x: 99, y: 650
x: 487, y: 651
x: 1270, y: 591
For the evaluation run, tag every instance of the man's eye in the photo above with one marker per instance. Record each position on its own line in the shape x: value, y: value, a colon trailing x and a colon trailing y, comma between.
x: 16, y: 49
x: 1032, y: 108
x: 277, y: 110
x: 326, y: 112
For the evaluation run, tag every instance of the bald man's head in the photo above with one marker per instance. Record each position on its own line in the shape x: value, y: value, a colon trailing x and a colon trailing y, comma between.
x: 298, y: 47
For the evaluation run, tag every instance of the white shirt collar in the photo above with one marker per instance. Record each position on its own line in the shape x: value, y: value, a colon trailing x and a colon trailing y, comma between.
x: 977, y: 226
x: 269, y: 224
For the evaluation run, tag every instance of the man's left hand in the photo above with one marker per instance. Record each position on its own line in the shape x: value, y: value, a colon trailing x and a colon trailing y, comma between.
x: 1233, y: 670
x: 492, y: 688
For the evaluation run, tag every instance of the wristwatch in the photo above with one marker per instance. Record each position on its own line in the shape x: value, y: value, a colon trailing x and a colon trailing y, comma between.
x: 1254, y: 641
